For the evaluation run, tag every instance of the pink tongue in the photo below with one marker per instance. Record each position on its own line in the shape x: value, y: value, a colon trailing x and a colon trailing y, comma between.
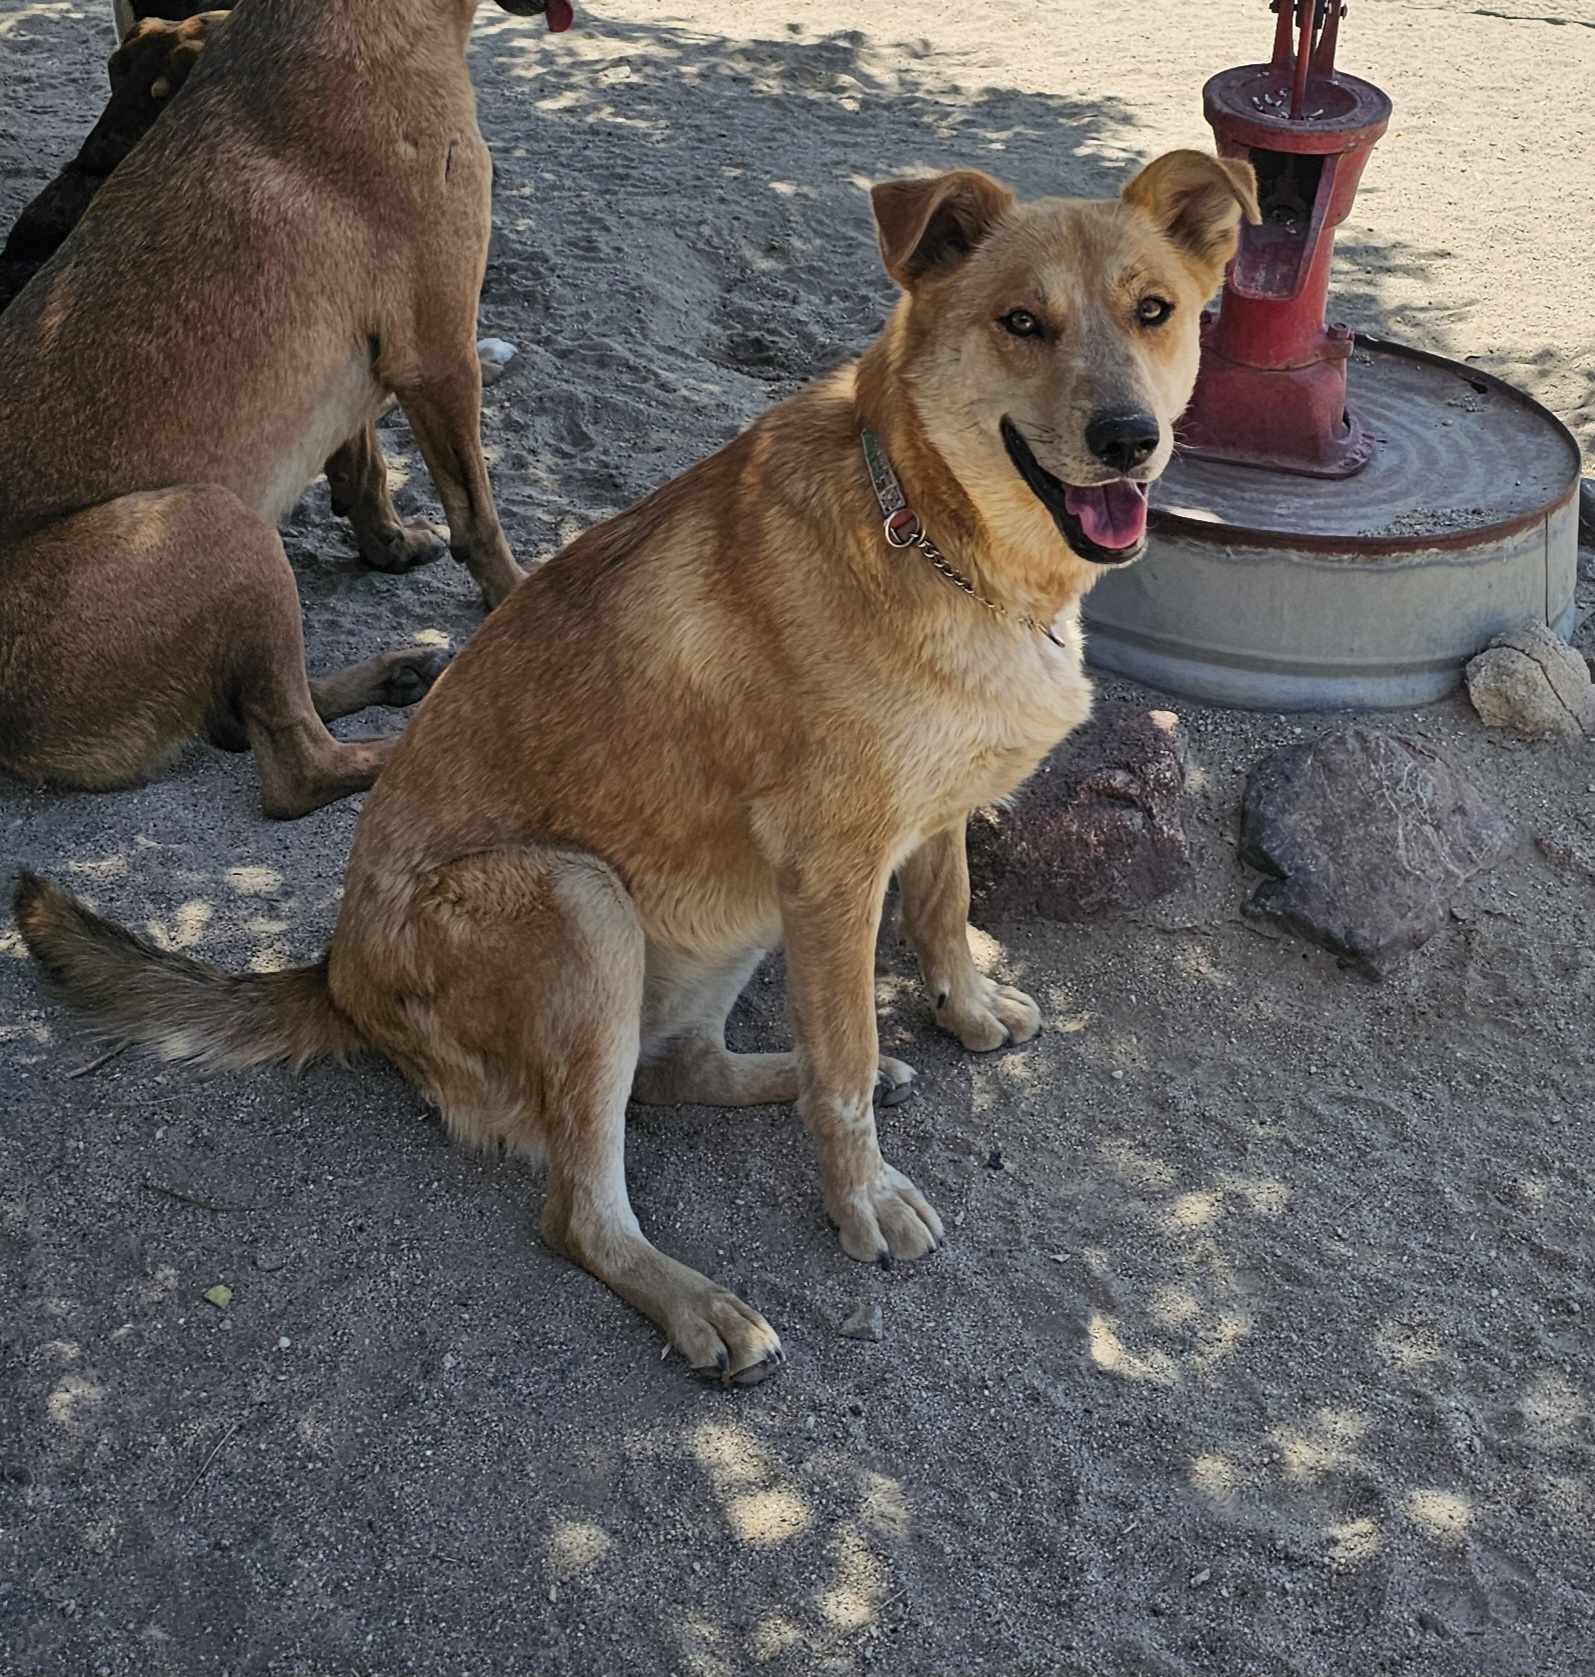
x: 1112, y: 514
x: 560, y: 14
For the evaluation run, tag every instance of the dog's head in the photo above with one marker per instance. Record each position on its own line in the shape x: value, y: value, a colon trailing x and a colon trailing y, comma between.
x: 559, y: 13
x: 1051, y: 346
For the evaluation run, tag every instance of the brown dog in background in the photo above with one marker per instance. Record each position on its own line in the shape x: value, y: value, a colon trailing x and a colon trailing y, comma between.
x: 721, y: 721
x: 300, y: 237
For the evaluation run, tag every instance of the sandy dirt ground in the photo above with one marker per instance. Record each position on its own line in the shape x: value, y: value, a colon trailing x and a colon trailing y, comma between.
x: 1263, y: 1342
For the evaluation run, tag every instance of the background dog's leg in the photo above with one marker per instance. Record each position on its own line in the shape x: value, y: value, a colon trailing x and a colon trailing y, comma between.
x: 527, y: 1035
x: 357, y: 475
x: 934, y: 883
x: 685, y: 1060
x: 830, y: 922
x: 445, y: 413
x: 198, y: 598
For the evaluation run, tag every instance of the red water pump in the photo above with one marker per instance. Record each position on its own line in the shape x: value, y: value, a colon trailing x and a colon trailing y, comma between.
x: 1272, y: 388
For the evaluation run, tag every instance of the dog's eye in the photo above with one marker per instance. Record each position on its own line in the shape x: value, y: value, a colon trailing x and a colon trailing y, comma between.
x: 1153, y: 311
x: 1021, y: 323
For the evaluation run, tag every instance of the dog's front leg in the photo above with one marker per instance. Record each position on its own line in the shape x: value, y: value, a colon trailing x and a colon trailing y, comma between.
x: 444, y: 406
x: 981, y: 1013
x: 830, y: 919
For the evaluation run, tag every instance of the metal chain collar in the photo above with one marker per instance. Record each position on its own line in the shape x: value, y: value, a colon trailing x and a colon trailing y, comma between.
x: 902, y: 528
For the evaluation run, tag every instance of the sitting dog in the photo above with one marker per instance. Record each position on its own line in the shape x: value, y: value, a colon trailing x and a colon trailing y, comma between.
x: 299, y: 238
x: 722, y: 720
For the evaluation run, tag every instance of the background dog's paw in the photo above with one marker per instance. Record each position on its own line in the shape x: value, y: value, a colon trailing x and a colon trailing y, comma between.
x: 894, y: 1082
x: 396, y: 548
x: 995, y: 1015
x: 887, y: 1219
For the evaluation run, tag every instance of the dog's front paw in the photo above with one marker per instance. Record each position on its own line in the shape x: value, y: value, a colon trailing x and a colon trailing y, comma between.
x: 990, y: 1016
x: 887, y: 1219
x: 724, y: 1339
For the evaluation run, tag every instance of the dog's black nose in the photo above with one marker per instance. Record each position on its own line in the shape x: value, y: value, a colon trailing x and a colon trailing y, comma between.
x: 1122, y: 440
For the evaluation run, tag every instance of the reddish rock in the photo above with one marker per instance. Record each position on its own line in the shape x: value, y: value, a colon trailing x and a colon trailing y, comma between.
x: 1096, y: 830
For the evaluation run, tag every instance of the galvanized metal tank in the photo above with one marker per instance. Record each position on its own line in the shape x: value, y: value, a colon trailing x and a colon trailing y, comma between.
x: 1276, y: 591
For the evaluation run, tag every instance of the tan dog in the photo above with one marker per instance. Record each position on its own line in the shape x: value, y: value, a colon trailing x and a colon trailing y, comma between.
x: 723, y: 719
x: 301, y: 235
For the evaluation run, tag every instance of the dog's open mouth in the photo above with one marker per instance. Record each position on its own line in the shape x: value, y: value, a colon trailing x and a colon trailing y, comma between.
x: 1105, y: 522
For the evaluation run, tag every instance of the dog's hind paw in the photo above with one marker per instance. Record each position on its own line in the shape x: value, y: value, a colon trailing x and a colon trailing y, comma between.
x: 396, y: 548
x: 409, y: 675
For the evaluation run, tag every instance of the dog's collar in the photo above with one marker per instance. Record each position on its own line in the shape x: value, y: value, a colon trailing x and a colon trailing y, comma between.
x: 901, y: 526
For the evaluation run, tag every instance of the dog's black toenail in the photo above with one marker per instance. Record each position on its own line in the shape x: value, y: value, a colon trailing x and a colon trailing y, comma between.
x: 885, y: 1260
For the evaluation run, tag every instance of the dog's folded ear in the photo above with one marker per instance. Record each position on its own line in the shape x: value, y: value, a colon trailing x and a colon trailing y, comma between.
x: 932, y: 224
x: 1197, y: 200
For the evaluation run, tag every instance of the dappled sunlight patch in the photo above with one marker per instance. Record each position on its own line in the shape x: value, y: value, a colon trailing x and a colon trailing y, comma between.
x: 703, y: 1647
x: 186, y: 929
x: 11, y: 944
x: 772, y: 1637
x: 858, y: 1587
x: 25, y: 1033
x: 766, y: 1518
x: 1220, y: 1340
x: 1326, y: 1446
x: 1266, y: 1195
x: 1552, y: 1407
x: 61, y: 1351
x: 1218, y: 1477
x: 254, y: 881
x: 1410, y: 1346
x: 984, y: 951
x: 730, y: 1454
x: 1130, y: 1165
x: 574, y: 1546
x: 103, y: 867
x: 430, y: 637
x: 885, y: 1508
x: 38, y: 10
x: 1195, y: 1210
x: 72, y: 1402
x: 1353, y: 1542
x: 1109, y: 1353
x: 1172, y: 1306
x: 1443, y: 1515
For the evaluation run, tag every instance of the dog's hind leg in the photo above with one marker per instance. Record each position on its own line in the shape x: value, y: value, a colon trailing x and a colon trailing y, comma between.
x: 136, y: 624
x: 521, y: 1019
x: 685, y: 1061
x: 357, y: 476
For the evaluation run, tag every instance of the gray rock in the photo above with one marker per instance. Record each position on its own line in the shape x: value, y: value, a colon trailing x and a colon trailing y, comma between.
x: 1368, y: 836
x: 864, y: 1323
x: 1532, y: 681
x: 495, y: 355
x: 1097, y: 829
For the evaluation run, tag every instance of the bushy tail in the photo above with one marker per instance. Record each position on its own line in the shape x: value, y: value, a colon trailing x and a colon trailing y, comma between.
x: 131, y: 992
